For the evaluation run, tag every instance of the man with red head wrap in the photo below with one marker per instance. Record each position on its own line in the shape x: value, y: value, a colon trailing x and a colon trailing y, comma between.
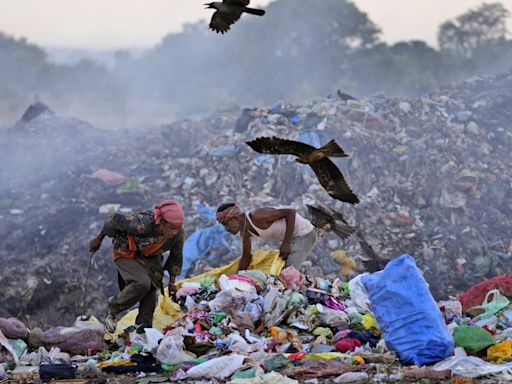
x: 138, y: 243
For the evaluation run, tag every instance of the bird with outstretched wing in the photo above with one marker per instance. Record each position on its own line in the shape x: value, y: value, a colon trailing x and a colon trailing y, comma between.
x: 328, y: 174
x: 228, y: 12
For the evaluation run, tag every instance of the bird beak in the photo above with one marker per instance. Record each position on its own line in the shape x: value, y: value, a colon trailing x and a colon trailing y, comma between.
x: 208, y: 5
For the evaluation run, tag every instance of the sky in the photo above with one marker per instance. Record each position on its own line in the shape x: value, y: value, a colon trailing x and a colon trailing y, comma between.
x: 112, y: 24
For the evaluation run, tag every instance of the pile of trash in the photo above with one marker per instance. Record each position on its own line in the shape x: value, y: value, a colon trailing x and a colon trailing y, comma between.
x: 256, y: 327
x: 433, y: 175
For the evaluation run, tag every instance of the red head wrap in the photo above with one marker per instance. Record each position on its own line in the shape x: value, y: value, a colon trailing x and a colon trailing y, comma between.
x: 170, y: 211
x: 228, y: 213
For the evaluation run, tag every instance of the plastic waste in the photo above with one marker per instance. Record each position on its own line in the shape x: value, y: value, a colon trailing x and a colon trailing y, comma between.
x: 109, y: 177
x: 493, y: 302
x: 352, y: 377
x: 276, y: 363
x: 171, y: 350
x: 297, y: 300
x: 292, y: 278
x: 474, y: 367
x: 333, y: 318
x: 411, y: 322
x: 220, y: 367
x: 267, y: 378
x: 476, y: 294
x: 370, y: 323
x: 500, y: 352
x: 153, y: 336
x: 4, y: 342
x: 347, y: 345
x: 472, y: 338
x: 358, y: 294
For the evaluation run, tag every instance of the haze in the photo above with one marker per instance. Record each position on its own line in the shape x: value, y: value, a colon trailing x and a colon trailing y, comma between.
x: 98, y: 24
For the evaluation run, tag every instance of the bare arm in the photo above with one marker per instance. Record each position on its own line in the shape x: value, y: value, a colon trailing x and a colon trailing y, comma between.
x: 246, y: 258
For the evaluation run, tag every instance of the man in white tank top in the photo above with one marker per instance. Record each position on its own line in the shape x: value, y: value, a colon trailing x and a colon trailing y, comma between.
x: 296, y: 234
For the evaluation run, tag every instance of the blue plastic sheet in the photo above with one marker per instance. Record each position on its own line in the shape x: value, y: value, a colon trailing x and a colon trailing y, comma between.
x: 411, y: 322
x: 206, y: 243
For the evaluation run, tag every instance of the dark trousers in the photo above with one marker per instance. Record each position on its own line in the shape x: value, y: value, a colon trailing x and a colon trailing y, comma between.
x: 136, y: 287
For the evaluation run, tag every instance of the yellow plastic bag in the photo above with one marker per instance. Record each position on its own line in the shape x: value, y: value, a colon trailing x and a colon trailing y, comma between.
x: 167, y: 312
x: 370, y: 323
x: 500, y: 352
x: 265, y: 261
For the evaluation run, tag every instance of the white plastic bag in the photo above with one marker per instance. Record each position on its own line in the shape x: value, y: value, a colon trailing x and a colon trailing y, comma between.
x: 358, y: 294
x: 171, y: 351
x: 220, y: 367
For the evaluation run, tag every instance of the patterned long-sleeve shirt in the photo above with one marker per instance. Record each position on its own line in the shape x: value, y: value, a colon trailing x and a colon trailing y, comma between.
x: 142, y: 229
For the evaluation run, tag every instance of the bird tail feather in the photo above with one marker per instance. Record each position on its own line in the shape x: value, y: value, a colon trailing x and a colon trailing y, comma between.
x: 332, y: 149
x: 344, y: 231
x: 253, y: 11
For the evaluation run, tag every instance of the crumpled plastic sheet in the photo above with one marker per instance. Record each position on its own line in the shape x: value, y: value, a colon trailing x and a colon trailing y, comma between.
x: 171, y: 350
x: 11, y: 353
x: 267, y: 378
x: 292, y: 278
x: 474, y: 367
x: 220, y: 367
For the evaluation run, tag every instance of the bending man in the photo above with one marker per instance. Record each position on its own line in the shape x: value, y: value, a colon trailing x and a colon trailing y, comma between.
x: 138, y: 242
x: 296, y: 234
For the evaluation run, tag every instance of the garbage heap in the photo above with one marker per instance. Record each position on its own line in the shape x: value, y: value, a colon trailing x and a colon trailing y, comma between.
x: 433, y: 175
x: 254, y: 327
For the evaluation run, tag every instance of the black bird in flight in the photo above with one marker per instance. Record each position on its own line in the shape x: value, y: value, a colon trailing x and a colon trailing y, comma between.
x: 325, y: 218
x: 326, y: 171
x: 228, y: 12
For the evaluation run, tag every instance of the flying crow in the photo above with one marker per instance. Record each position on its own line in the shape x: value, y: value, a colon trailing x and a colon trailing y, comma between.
x: 228, y: 12
x: 326, y: 171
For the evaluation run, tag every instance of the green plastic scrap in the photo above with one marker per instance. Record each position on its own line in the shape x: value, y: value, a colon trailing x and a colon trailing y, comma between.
x: 206, y: 282
x: 216, y: 331
x: 346, y: 287
x: 219, y: 316
x: 19, y: 346
x: 297, y: 300
x: 244, y: 374
x: 473, y: 339
x: 323, y: 331
x: 276, y: 363
x: 355, y: 318
x: 132, y: 183
x: 313, y: 310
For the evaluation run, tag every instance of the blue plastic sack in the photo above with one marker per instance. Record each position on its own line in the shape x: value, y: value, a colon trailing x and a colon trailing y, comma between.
x: 411, y: 322
x: 205, y: 242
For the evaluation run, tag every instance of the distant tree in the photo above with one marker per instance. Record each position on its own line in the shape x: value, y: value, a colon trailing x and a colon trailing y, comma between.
x: 464, y: 35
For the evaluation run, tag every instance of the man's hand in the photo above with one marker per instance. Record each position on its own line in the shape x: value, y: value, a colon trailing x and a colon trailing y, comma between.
x: 95, y: 244
x: 285, y: 250
x: 172, y: 291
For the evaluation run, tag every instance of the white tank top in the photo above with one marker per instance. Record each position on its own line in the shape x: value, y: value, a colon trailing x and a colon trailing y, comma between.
x: 278, y: 228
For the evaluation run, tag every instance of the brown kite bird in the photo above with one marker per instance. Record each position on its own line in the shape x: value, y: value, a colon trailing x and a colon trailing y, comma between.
x: 228, y: 12
x: 326, y: 171
x: 326, y: 218
x: 329, y: 221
